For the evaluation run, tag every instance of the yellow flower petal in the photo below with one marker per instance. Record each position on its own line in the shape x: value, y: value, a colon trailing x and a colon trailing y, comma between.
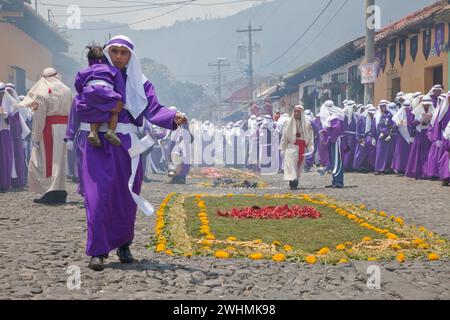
x: 279, y: 257
x: 311, y: 259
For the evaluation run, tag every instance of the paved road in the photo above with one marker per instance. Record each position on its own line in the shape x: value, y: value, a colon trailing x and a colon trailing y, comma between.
x: 39, y: 243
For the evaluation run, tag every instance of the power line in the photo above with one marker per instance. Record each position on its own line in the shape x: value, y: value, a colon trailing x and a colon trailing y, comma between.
x: 320, y: 33
x: 301, y: 36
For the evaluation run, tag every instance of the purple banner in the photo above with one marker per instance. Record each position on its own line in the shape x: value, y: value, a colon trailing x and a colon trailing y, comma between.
x: 439, y: 38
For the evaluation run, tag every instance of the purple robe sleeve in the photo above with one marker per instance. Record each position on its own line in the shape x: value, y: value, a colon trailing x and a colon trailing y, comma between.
x: 155, y: 112
x: 335, y: 130
x: 74, y: 123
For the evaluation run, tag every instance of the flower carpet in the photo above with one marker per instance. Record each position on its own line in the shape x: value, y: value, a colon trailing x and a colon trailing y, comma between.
x: 299, y: 228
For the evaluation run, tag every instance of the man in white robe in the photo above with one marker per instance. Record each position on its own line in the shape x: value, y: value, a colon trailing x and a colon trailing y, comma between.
x: 51, y: 100
x: 296, y: 143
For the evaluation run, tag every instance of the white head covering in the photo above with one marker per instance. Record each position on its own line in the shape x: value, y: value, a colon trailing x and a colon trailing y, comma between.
x: 302, y: 125
x: 11, y: 88
x: 329, y: 112
x: 370, y: 110
x: 441, y: 110
x: 349, y: 110
x: 435, y: 87
x: 49, y: 84
x: 392, y: 108
x: 135, y: 93
x: 400, y: 119
x: 420, y: 110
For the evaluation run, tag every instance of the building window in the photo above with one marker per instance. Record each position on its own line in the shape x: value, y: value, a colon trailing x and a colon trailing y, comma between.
x: 18, y: 78
x: 433, y: 75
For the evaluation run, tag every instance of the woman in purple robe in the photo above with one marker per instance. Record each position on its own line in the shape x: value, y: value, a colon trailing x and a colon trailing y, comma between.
x: 349, y: 140
x: 323, y: 147
x: 365, y: 152
x: 444, y: 163
x: 112, y: 179
x: 421, y: 145
x: 438, y: 124
x: 402, y: 119
x: 6, y: 142
x: 387, y: 138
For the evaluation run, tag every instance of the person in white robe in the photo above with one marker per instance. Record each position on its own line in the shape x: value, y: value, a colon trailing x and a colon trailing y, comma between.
x: 297, y: 142
x: 51, y: 101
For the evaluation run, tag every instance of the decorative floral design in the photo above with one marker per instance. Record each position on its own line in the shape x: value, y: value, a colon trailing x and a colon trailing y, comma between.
x: 399, y: 242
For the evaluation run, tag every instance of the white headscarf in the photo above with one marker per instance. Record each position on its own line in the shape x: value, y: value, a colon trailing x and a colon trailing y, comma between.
x: 400, y: 119
x: 392, y: 108
x: 420, y: 111
x: 372, y: 110
x: 302, y: 125
x: 329, y: 112
x: 11, y: 88
x: 50, y: 83
x: 136, y: 97
x: 441, y: 110
x: 349, y: 110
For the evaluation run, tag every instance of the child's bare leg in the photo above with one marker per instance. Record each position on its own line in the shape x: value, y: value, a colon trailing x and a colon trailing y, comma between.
x: 111, y: 134
x: 93, y: 135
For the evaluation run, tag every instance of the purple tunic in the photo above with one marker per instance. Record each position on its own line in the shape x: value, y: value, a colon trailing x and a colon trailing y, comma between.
x: 324, y: 152
x: 6, y: 159
x: 403, y: 148
x: 365, y: 154
x: 19, y: 151
x: 436, y: 151
x: 350, y: 143
x: 105, y: 171
x: 444, y: 172
x: 385, y: 149
x: 419, y: 155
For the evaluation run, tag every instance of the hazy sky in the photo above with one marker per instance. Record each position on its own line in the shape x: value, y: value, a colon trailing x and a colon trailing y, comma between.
x: 158, y: 12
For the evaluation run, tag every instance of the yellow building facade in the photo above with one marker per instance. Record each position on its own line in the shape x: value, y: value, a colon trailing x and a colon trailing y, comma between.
x: 414, y: 75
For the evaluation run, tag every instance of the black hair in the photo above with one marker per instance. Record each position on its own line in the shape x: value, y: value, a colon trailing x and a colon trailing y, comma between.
x: 95, y: 52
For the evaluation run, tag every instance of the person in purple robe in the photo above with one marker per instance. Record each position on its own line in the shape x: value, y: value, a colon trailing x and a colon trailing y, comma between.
x: 387, y: 139
x: 402, y: 119
x: 111, y: 176
x: 312, y: 121
x: 349, y: 139
x: 435, y: 93
x: 421, y: 145
x: 438, y: 124
x: 19, y: 131
x: 332, y: 119
x: 323, y: 147
x: 6, y: 141
x: 444, y: 163
x: 365, y: 152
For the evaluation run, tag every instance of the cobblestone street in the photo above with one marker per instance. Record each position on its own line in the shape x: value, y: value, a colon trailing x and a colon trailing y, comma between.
x: 39, y: 243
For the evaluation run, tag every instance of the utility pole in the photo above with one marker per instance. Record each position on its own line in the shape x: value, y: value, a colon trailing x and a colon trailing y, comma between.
x: 370, y: 48
x: 35, y: 5
x: 250, y: 55
x: 220, y: 63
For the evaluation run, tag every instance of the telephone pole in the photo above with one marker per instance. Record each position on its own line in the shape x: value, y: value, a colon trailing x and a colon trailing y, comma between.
x: 220, y: 63
x: 250, y: 55
x: 370, y: 50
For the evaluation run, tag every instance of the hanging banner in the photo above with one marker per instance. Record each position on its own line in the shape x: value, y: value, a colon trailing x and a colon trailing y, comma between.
x: 402, y: 51
x: 368, y: 72
x: 439, y: 38
x: 414, y: 47
x: 426, y: 43
x: 393, y: 53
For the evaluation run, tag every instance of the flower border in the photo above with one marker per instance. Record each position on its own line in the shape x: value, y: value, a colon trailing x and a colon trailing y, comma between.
x: 418, y: 242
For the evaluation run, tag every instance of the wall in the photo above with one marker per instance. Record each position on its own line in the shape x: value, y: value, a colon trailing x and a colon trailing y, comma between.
x: 412, y: 74
x: 20, y: 50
